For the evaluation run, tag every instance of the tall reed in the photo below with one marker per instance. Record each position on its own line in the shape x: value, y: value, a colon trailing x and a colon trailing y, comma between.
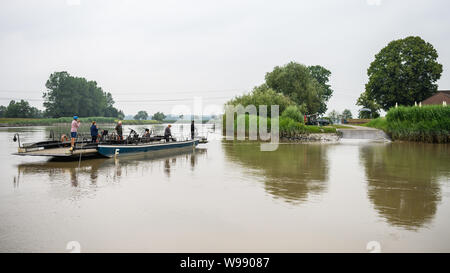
x: 429, y: 123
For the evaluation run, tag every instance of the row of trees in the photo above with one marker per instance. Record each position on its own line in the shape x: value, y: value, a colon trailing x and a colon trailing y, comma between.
x: 143, y: 115
x: 335, y: 116
x: 19, y: 109
x: 403, y: 72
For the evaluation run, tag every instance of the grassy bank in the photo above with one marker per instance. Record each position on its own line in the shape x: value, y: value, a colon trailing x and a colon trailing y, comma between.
x: 139, y: 122
x: 429, y: 123
x: 287, y: 126
x: 378, y: 123
x: 338, y: 126
x: 51, y: 121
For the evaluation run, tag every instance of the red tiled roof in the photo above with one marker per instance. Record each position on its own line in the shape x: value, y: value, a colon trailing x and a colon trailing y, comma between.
x: 438, y: 98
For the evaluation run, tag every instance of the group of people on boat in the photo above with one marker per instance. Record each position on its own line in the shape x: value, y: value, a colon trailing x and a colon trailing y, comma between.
x: 168, y: 132
x: 119, y: 130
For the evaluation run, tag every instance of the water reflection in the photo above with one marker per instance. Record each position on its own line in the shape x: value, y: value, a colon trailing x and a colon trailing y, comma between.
x: 113, y: 169
x: 403, y: 180
x: 292, y: 172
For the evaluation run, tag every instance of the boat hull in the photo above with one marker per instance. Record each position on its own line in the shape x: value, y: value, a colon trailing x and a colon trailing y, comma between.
x: 110, y: 150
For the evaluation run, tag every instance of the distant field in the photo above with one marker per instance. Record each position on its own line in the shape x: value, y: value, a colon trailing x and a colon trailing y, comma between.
x: 50, y: 121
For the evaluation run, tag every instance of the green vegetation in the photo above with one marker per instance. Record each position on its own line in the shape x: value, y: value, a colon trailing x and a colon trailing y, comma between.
x: 346, y: 114
x: 306, y: 86
x: 403, y: 72
x: 430, y: 123
x: 20, y: 109
x: 296, y: 89
x: 68, y: 120
x: 293, y: 112
x: 334, y: 116
x: 140, y: 122
x: 263, y: 95
x: 141, y: 115
x: 322, y: 76
x: 67, y: 96
x: 337, y: 126
x: 378, y: 123
x: 287, y: 126
x: 371, y: 108
x: 159, y: 116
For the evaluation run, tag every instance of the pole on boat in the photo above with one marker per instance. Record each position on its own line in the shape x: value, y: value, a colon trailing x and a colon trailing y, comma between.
x: 81, y: 152
x: 16, y: 138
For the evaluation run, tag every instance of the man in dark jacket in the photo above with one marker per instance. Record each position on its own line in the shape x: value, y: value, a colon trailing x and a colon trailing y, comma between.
x: 94, y: 131
x: 167, y: 133
x: 119, y: 130
x: 192, y: 130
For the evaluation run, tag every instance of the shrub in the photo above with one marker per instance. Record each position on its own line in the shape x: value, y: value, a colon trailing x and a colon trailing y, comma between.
x: 287, y: 126
x: 429, y: 123
x: 379, y: 123
x: 294, y: 113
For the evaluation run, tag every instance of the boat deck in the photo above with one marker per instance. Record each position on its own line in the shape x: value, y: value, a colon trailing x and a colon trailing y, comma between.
x: 60, y: 152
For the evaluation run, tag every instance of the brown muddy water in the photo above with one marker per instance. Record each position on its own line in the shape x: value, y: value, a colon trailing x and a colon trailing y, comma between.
x: 229, y: 197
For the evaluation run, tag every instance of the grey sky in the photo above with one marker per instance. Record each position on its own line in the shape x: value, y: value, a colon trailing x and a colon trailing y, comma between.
x: 168, y: 50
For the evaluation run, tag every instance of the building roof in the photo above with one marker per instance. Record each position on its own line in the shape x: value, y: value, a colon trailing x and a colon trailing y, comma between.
x: 438, y: 98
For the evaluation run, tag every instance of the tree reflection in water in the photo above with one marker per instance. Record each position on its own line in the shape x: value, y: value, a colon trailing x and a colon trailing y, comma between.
x: 293, y: 172
x: 105, y: 170
x: 403, y: 180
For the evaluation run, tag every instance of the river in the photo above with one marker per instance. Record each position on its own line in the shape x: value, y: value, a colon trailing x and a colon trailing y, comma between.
x: 229, y: 197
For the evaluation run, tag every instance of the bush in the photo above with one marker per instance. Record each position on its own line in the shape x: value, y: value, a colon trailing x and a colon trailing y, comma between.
x: 294, y: 113
x: 379, y: 123
x: 287, y: 126
x: 429, y: 123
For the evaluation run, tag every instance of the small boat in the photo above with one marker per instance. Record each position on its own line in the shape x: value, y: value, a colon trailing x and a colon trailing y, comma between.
x: 109, y: 145
x: 110, y: 150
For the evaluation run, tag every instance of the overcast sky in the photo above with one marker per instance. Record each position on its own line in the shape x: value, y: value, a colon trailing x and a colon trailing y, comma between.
x: 152, y: 54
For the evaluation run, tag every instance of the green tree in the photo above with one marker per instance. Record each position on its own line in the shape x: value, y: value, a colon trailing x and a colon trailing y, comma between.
x: 368, y: 104
x: 2, y: 111
x: 159, y: 116
x: 334, y: 116
x: 347, y: 114
x: 21, y: 109
x: 296, y: 81
x: 67, y: 95
x: 141, y: 115
x: 322, y: 76
x: 403, y: 72
x: 263, y: 95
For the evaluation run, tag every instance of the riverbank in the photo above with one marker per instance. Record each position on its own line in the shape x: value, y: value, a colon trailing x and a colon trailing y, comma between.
x: 19, y: 122
x: 430, y: 123
x: 320, y: 137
